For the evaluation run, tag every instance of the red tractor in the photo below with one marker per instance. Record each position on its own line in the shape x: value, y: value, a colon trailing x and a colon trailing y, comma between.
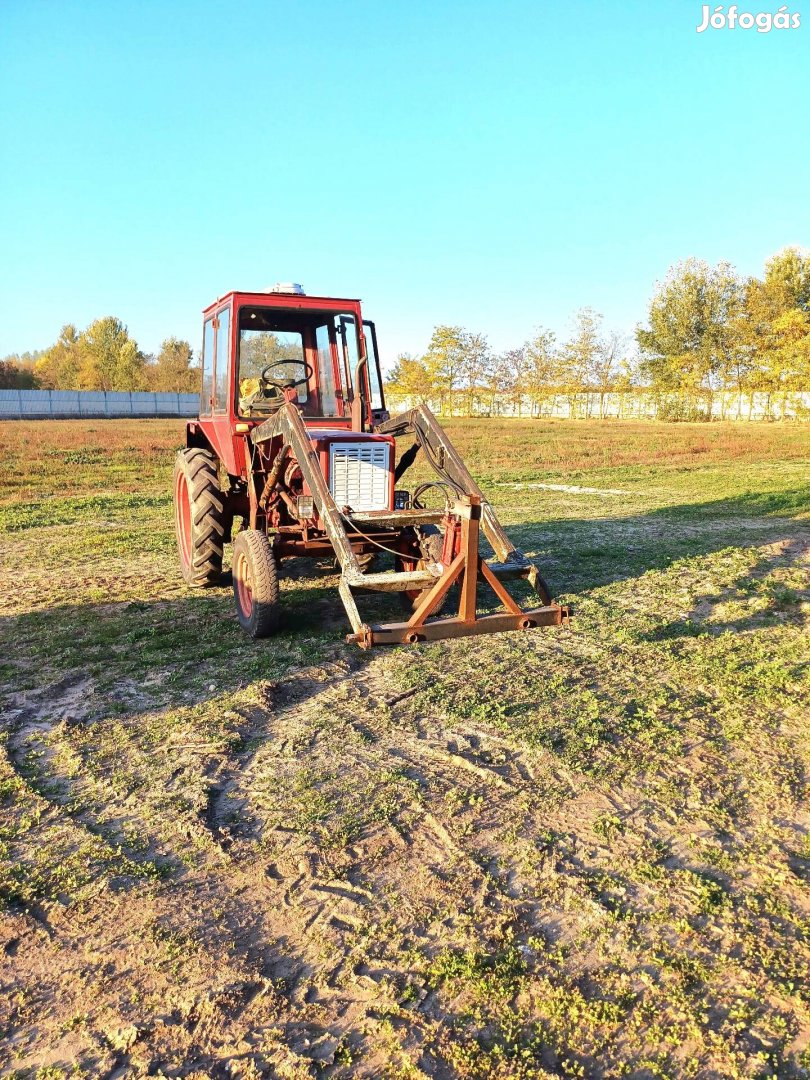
x: 294, y: 440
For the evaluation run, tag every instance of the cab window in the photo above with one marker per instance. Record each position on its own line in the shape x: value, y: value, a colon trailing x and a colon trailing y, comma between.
x: 207, y: 391
x: 311, y: 349
x: 326, y: 370
x: 375, y: 385
x: 268, y: 360
x: 221, y: 362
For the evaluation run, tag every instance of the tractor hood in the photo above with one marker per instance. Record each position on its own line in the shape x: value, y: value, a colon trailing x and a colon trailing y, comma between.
x: 327, y: 434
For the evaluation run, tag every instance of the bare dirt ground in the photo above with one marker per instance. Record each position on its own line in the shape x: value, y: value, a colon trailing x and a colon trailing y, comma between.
x: 564, y: 853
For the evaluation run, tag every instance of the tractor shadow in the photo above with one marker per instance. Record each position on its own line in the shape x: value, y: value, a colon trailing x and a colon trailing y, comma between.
x: 580, y: 555
x: 187, y: 648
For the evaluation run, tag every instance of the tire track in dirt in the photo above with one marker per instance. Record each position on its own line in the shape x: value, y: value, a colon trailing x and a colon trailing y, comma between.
x: 302, y: 944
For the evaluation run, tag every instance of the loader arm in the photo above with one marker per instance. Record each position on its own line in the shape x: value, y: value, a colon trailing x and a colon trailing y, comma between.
x: 447, y: 463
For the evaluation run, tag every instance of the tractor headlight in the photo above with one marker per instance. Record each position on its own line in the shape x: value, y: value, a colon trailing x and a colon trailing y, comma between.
x: 304, y: 507
x: 402, y: 500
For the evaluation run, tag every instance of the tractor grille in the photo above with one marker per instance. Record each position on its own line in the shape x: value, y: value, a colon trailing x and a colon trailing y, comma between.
x: 359, y: 475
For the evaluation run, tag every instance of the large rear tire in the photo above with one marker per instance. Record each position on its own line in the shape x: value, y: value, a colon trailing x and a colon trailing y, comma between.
x: 198, y: 517
x: 255, y: 584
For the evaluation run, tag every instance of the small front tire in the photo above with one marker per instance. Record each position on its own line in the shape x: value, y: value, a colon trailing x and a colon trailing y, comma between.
x: 255, y: 584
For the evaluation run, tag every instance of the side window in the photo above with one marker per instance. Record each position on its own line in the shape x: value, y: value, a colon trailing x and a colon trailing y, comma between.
x: 223, y: 347
x: 326, y: 372
x: 348, y: 347
x: 207, y: 390
x: 373, y: 366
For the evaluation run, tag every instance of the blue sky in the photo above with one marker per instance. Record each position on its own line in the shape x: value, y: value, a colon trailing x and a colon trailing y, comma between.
x: 489, y: 165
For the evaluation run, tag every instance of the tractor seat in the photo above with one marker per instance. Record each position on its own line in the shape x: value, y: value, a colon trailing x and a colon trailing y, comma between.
x: 256, y: 399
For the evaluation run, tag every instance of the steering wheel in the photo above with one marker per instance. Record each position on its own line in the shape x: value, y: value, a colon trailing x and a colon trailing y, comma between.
x: 281, y: 384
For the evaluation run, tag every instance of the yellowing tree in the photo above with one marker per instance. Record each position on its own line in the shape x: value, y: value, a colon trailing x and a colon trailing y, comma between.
x: 509, y: 379
x: 110, y: 359
x: 172, y: 371
x: 410, y: 380
x: 58, y: 367
x: 444, y: 361
x: 579, y: 356
x: 772, y: 328
x: 787, y: 279
x: 543, y: 367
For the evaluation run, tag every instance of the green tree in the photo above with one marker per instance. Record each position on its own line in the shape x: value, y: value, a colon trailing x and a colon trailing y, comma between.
x: 172, y: 371
x: 690, y: 342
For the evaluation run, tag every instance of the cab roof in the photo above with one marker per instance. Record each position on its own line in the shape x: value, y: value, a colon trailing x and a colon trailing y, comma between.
x: 288, y: 300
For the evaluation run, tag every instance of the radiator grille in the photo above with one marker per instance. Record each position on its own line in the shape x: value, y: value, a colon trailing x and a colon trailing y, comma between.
x: 359, y: 475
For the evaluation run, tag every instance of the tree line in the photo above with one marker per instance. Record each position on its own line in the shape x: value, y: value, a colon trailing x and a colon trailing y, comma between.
x: 102, y: 357
x: 713, y: 342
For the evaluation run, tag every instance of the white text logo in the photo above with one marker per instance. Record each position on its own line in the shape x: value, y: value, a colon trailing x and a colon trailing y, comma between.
x: 764, y: 21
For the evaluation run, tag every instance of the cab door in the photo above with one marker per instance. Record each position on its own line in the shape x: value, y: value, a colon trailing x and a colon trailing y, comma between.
x: 375, y: 386
x: 207, y: 388
x: 217, y: 397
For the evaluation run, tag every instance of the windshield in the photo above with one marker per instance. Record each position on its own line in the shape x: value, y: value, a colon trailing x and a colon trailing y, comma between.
x: 279, y: 354
x: 315, y: 351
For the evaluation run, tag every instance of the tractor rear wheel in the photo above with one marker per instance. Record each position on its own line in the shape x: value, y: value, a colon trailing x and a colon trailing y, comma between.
x: 198, y: 516
x: 255, y: 584
x: 430, y: 543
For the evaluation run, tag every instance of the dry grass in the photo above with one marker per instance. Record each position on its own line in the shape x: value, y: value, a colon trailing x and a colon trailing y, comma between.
x: 579, y: 853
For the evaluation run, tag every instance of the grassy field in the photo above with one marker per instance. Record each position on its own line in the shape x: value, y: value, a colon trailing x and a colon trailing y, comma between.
x: 579, y: 852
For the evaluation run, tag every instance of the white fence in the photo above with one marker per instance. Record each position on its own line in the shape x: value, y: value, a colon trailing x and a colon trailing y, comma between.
x: 632, y: 405
x: 74, y: 404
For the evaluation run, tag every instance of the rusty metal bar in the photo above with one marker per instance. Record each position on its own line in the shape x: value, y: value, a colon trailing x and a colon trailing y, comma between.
x: 404, y: 634
x: 503, y: 595
x: 430, y: 601
x: 397, y: 518
x: 469, y: 547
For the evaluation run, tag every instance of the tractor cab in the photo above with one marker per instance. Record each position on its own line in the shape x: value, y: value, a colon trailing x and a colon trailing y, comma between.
x: 313, y: 353
x: 259, y: 346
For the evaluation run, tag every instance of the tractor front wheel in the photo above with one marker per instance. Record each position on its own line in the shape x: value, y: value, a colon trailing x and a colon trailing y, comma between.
x: 255, y: 584
x: 198, y: 516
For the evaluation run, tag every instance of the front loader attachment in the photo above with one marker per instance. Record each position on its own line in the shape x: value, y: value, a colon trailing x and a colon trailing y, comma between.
x: 468, y: 512
x: 469, y: 568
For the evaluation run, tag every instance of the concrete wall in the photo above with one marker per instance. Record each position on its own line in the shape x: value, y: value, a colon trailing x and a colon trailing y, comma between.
x: 74, y: 404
